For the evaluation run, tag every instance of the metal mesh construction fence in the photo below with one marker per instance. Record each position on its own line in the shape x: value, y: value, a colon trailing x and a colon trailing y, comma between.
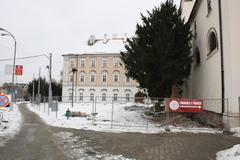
x: 137, y: 112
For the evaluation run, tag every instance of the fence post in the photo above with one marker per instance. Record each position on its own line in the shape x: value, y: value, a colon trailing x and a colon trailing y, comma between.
x: 167, y: 115
x: 112, y: 115
x: 147, y: 115
x: 95, y: 110
x: 44, y: 103
x: 48, y: 108
x: 56, y: 108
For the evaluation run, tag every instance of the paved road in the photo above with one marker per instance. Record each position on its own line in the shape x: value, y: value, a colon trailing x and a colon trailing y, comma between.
x: 33, y: 141
x: 37, y: 141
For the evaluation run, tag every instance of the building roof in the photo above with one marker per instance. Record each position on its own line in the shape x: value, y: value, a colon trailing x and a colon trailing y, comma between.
x: 95, y: 54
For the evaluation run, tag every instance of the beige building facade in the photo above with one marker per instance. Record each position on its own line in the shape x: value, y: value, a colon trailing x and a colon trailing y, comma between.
x: 216, y: 51
x: 100, y: 75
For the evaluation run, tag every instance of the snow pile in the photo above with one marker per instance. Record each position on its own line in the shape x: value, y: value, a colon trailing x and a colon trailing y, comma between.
x: 229, y: 154
x: 236, y: 131
x: 127, y: 117
x: 76, y: 148
x: 10, y: 125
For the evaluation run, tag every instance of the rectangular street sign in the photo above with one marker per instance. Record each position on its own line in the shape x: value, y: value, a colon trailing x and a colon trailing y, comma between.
x: 8, y: 69
x: 185, y: 105
x: 19, y: 70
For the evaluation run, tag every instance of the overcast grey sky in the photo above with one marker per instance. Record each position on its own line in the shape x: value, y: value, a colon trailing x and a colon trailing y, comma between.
x: 62, y: 27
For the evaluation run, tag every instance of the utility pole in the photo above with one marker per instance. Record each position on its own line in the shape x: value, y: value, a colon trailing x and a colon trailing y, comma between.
x: 50, y: 82
x: 33, y: 89
x: 39, y: 83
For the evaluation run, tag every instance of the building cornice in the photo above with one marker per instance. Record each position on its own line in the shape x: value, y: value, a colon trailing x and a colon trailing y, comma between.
x: 95, y: 54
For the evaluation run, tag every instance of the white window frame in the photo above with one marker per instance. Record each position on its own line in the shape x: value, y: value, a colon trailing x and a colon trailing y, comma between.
x: 128, y: 97
x: 103, y: 63
x: 116, y: 78
x: 104, y: 95
x: 91, y: 96
x: 82, y: 78
x: 82, y: 63
x: 81, y: 96
x: 104, y: 78
x: 93, y: 78
x: 115, y: 97
x: 93, y: 63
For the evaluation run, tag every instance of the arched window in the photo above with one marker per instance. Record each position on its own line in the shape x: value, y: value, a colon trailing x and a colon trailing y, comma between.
x: 82, y: 76
x: 212, y: 42
x: 116, y: 76
x: 115, y: 94
x: 104, y: 76
x: 81, y: 91
x: 104, y: 94
x: 92, y: 76
x: 91, y: 94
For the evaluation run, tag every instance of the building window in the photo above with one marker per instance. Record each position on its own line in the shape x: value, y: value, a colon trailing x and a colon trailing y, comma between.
x: 71, y: 78
x: 93, y: 63
x: 104, y: 63
x: 212, y: 42
x: 127, y: 97
x: 92, y: 78
x: 91, y: 96
x: 82, y: 78
x: 103, y: 96
x: 115, y: 78
x: 72, y: 64
x: 81, y: 97
x: 115, y: 96
x: 116, y: 63
x: 82, y: 63
x: 70, y: 96
x: 209, y: 6
x: 104, y: 78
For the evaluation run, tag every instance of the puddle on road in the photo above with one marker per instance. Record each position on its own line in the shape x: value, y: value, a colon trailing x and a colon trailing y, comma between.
x: 74, y: 147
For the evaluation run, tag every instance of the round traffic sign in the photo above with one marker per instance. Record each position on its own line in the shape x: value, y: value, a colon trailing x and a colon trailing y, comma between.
x: 4, y: 100
x: 174, y: 105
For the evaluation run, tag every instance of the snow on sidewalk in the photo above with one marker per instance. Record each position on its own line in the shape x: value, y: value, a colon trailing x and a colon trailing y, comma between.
x: 11, y: 124
x: 229, y: 154
x: 76, y: 148
x: 127, y: 117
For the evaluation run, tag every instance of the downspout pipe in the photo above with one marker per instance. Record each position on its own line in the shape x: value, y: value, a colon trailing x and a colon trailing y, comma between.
x: 222, y: 57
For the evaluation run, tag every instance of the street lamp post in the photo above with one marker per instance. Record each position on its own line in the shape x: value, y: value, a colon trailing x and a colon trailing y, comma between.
x: 14, y: 59
x: 74, y: 70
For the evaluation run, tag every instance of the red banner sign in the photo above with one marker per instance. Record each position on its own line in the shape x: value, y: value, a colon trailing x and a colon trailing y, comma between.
x: 19, y: 70
x: 185, y: 105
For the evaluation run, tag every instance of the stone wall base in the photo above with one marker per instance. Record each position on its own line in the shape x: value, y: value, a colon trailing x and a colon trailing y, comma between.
x: 231, y: 120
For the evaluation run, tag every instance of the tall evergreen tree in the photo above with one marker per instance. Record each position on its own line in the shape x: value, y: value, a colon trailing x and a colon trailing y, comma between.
x: 158, y: 56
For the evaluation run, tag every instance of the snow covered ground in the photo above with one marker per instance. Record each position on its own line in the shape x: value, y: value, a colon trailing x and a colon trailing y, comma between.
x: 236, y: 131
x: 229, y: 154
x: 127, y: 117
x: 76, y: 148
x: 10, y: 125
